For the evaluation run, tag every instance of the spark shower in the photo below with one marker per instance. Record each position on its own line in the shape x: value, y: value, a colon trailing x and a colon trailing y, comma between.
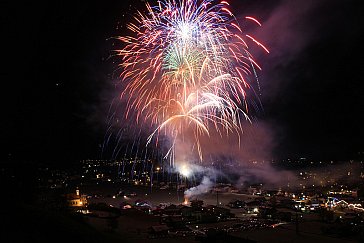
x: 187, y: 68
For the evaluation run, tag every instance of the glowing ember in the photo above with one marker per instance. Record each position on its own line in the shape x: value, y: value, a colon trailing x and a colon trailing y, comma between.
x: 185, y: 202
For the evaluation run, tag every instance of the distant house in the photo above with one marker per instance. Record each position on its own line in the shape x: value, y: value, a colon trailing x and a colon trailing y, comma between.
x: 173, y: 221
x: 268, y: 212
x: 125, y: 205
x: 158, y: 231
x: 236, y: 204
x: 220, y: 212
x: 252, y: 206
x: 196, y: 204
x: 255, y: 189
x: 76, y: 200
x: 187, y: 211
x: 171, y: 210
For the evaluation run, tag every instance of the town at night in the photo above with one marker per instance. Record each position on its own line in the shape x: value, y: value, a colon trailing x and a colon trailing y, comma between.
x: 182, y: 121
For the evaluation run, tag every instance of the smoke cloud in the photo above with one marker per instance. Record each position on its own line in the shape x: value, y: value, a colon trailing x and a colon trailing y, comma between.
x: 204, y: 187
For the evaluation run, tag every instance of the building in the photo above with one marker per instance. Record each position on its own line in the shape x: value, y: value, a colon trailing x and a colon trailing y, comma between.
x: 76, y: 200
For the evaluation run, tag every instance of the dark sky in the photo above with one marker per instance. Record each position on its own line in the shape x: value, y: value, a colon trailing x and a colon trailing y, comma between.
x: 57, y: 78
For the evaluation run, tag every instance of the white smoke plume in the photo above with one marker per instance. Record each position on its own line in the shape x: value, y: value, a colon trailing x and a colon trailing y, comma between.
x: 204, y: 187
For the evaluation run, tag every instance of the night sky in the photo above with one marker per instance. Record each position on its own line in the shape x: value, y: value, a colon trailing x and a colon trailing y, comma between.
x: 58, y: 79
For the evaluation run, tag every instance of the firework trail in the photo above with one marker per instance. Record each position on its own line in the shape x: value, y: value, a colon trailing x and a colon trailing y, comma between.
x: 187, y: 68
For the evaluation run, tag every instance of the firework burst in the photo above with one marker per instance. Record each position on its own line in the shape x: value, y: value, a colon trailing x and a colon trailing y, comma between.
x: 187, y: 68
